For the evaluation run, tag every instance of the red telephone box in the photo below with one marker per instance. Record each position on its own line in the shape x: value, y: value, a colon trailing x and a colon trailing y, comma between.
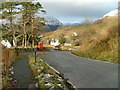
x: 40, y: 46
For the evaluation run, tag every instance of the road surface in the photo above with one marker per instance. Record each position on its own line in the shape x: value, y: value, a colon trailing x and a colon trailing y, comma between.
x: 22, y: 71
x: 84, y: 72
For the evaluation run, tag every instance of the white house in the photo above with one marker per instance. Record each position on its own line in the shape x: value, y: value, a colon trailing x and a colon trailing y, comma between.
x: 54, y: 42
x: 6, y: 43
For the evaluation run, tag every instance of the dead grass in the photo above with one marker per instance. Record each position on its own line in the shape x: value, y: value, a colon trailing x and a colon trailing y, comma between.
x: 102, y: 44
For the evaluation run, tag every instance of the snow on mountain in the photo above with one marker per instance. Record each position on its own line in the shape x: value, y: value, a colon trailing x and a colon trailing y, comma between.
x: 112, y: 13
x: 52, y: 21
x: 52, y: 24
x: 109, y: 14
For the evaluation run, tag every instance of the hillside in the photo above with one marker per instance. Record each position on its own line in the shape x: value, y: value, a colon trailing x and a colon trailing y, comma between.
x: 102, y: 44
x: 97, y: 40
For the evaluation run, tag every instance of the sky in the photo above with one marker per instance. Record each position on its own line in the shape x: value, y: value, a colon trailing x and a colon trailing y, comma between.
x: 75, y: 11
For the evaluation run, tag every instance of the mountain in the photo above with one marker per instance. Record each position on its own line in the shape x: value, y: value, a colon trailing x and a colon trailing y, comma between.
x: 52, y: 24
x: 52, y: 21
x: 111, y: 14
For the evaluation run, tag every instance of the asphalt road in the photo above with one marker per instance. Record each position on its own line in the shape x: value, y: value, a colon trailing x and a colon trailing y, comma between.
x: 84, y: 72
x: 22, y: 71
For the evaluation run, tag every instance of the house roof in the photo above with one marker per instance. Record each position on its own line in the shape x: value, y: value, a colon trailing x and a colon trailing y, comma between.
x: 68, y: 42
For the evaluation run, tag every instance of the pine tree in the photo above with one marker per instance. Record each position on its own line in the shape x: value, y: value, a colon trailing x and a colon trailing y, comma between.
x: 8, y: 10
x: 7, y: 13
x: 27, y: 23
x: 28, y: 13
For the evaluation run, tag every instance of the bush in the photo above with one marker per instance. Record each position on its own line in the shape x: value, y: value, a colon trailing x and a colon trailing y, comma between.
x: 62, y: 39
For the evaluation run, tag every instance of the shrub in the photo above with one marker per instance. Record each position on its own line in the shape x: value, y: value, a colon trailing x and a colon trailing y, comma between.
x: 62, y: 39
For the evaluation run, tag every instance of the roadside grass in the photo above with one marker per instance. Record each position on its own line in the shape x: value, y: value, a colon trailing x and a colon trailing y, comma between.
x: 5, y: 81
x: 45, y: 77
x: 101, y: 46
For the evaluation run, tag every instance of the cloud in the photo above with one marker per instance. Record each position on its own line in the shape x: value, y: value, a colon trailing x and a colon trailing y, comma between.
x: 77, y: 0
x: 72, y: 9
x: 62, y: 9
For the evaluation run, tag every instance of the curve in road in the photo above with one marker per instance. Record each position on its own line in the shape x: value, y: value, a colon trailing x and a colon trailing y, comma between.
x: 84, y: 72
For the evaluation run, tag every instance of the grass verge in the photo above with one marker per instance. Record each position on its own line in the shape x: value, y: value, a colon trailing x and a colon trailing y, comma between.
x: 45, y: 77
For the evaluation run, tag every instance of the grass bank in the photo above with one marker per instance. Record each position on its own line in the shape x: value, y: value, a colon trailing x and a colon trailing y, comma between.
x: 44, y: 76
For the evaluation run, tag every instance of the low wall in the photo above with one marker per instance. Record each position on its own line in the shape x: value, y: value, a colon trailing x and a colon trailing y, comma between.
x: 8, y: 57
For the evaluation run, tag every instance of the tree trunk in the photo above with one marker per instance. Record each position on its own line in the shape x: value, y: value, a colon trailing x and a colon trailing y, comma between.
x: 25, y: 36
x: 33, y: 42
x: 28, y: 39
x: 23, y: 42
x: 14, y: 38
x: 32, y: 31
